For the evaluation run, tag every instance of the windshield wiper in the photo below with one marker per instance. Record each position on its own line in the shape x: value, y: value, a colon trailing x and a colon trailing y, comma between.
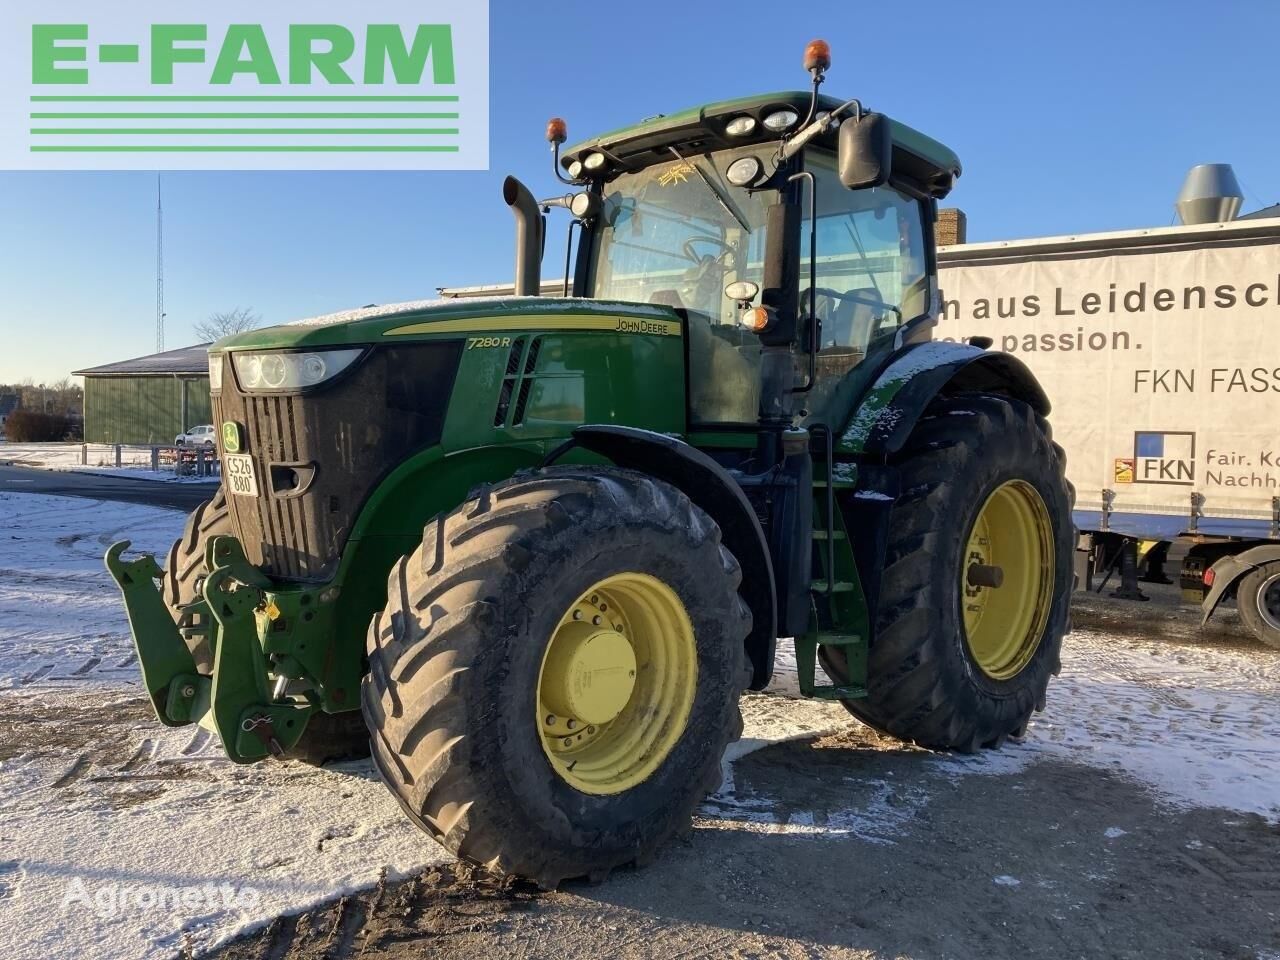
x: 723, y: 200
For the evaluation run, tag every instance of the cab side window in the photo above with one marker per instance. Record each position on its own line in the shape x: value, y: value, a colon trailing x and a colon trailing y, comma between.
x: 871, y: 274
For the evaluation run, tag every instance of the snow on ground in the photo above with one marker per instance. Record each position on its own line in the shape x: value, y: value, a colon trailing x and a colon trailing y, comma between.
x: 109, y: 806
x: 1199, y: 725
x: 135, y: 462
x: 1196, y: 725
x: 121, y: 837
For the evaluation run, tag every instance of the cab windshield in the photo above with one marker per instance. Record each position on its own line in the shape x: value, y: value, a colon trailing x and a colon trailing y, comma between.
x: 676, y: 234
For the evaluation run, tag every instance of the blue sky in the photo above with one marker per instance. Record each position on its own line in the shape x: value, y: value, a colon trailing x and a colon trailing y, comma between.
x: 1068, y: 118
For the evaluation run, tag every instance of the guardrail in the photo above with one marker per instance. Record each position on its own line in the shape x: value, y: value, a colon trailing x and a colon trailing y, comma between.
x: 181, y: 461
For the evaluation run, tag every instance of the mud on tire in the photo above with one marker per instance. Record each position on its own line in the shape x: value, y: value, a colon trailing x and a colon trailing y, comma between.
x: 924, y: 685
x: 455, y: 658
x: 328, y: 737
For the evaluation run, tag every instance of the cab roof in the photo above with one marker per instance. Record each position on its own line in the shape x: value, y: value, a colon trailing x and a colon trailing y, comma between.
x: 916, y: 156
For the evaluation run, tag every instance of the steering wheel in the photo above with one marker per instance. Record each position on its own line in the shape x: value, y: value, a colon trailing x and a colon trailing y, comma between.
x: 691, y: 252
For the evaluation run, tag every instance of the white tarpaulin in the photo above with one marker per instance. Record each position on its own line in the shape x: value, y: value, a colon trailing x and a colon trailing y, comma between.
x: 1161, y: 360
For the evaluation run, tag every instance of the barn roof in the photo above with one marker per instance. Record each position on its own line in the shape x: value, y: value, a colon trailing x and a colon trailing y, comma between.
x: 187, y: 361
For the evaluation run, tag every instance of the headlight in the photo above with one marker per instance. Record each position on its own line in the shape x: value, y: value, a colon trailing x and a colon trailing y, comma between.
x: 215, y: 372
x: 281, y: 370
x: 781, y: 120
x: 745, y: 172
x: 594, y: 162
x: 740, y: 126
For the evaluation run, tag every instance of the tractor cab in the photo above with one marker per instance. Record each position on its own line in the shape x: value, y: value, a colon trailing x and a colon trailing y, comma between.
x: 764, y: 246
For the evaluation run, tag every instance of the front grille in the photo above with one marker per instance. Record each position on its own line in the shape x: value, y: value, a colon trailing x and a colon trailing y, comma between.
x: 317, y: 456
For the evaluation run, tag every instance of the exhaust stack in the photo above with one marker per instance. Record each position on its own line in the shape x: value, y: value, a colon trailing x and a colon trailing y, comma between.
x: 528, y: 237
x: 1210, y: 194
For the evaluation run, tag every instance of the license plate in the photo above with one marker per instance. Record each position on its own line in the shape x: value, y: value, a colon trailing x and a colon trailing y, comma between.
x: 239, y: 476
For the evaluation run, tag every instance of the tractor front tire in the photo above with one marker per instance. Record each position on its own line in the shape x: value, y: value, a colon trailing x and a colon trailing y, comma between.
x: 556, y: 676
x: 329, y: 737
x: 959, y: 661
x: 1258, y: 600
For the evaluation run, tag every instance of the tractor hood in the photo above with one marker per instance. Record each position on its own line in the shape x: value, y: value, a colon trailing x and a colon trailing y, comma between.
x: 457, y: 318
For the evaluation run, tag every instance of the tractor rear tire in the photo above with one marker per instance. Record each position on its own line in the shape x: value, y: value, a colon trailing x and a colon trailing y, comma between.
x: 460, y: 667
x: 928, y: 682
x: 1258, y: 600
x: 329, y: 737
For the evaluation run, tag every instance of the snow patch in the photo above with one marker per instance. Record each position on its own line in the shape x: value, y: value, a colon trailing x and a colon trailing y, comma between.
x: 1004, y: 880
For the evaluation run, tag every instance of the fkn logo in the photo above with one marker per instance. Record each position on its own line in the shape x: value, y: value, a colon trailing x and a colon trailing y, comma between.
x: 1159, y: 457
x: 244, y: 85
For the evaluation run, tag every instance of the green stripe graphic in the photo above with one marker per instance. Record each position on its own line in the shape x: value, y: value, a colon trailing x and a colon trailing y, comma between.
x: 245, y: 149
x: 244, y: 99
x: 244, y: 116
x: 308, y: 131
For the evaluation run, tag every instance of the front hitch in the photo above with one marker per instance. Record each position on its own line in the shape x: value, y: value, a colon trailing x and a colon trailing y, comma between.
x: 236, y: 701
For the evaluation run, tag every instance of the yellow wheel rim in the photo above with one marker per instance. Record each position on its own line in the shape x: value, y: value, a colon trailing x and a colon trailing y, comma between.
x: 1006, y: 580
x: 617, y: 684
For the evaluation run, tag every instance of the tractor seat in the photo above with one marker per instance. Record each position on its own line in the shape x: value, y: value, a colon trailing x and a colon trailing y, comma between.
x: 855, y: 316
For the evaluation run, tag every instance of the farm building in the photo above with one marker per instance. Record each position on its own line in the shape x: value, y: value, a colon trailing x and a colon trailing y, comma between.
x: 148, y: 400
x: 9, y: 402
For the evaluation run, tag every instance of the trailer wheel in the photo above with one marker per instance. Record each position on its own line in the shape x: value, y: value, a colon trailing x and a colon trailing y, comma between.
x: 556, y: 675
x: 1258, y: 599
x: 329, y: 737
x: 977, y: 579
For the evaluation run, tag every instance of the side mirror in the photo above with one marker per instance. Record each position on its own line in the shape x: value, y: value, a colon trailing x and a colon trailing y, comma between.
x: 866, y: 151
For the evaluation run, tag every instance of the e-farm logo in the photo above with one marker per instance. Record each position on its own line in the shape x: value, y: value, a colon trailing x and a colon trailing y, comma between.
x: 241, y: 85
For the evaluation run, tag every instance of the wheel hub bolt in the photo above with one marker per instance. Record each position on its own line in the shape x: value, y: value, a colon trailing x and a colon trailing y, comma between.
x: 573, y: 724
x: 985, y: 575
x: 551, y: 719
x: 597, y: 621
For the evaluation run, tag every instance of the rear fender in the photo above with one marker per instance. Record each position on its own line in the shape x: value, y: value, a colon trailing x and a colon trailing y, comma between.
x: 883, y: 422
x: 890, y: 409
x: 1228, y: 571
x: 711, y: 488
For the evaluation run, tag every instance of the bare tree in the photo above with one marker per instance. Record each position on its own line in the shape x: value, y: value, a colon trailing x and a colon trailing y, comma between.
x: 219, y: 325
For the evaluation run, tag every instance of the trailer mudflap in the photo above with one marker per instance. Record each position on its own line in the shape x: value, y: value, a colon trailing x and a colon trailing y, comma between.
x: 167, y: 664
x: 236, y: 703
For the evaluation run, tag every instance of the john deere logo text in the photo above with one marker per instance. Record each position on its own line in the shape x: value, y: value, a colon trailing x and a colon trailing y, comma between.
x: 143, y: 85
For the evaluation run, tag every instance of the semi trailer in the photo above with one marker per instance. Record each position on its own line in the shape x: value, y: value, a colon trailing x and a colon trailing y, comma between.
x: 1159, y: 347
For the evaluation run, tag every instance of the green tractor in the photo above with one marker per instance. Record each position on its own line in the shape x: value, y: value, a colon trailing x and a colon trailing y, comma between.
x: 530, y: 550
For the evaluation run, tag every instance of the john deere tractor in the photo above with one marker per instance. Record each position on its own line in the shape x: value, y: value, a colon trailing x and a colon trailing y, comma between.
x: 533, y: 548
